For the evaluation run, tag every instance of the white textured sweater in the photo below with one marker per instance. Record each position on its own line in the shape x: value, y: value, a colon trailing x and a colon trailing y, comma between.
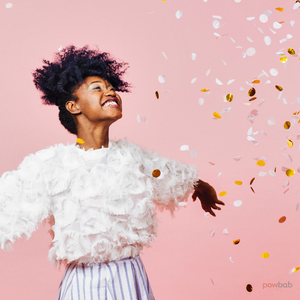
x: 100, y: 202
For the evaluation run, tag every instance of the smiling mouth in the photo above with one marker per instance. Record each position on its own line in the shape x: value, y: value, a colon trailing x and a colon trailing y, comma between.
x: 110, y: 100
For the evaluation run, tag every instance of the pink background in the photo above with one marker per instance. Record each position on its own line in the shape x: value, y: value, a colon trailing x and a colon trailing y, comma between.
x: 187, y: 261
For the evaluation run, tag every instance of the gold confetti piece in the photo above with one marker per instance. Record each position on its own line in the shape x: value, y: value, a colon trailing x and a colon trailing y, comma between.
x: 283, y: 59
x: 296, y: 269
x: 157, y: 95
x: 265, y: 255
x: 238, y: 182
x: 291, y: 51
x: 287, y: 125
x: 290, y: 172
x: 290, y: 143
x: 216, y: 115
x: 256, y: 81
x: 281, y: 22
x: 252, y: 189
x: 223, y: 193
x: 249, y: 288
x: 275, y: 169
x: 260, y: 163
x: 279, y: 9
x: 282, y: 219
x: 156, y: 173
x: 204, y: 90
x: 252, y: 99
x: 229, y: 97
x: 252, y: 180
x: 279, y: 88
x: 80, y: 141
x: 236, y: 241
x: 251, y: 92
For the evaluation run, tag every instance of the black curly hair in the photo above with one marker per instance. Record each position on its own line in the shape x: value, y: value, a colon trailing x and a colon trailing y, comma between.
x: 58, y: 80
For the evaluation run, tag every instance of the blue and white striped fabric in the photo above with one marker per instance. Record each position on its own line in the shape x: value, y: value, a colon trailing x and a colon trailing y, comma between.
x: 125, y: 279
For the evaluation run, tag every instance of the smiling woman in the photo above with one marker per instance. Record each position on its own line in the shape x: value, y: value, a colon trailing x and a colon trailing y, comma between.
x: 99, y: 195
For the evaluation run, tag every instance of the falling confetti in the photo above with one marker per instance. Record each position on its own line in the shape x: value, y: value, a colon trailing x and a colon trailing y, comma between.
x: 279, y: 9
x: 249, y: 288
x: 279, y: 88
x: 235, y: 242
x: 181, y: 203
x: 178, y: 14
x: 277, y: 25
x: 291, y: 51
x: 260, y: 163
x: 263, y: 18
x: 252, y: 180
x: 201, y: 101
x: 225, y: 231
x: 294, y: 270
x: 80, y: 141
x: 237, y: 203
x: 238, y: 182
x: 204, y: 90
x: 184, y: 148
x: 157, y: 95
x: 229, y: 97
x: 290, y: 172
x: 251, y: 92
x: 218, y: 81
x: 156, y: 173
x: 8, y: 5
x: 161, y: 79
x: 282, y: 219
x: 250, y: 51
x: 290, y: 143
x: 287, y: 125
x: 265, y: 255
x: 223, y: 193
x: 193, y: 56
x: 217, y: 115
x: 267, y: 40
x: 193, y: 80
x: 256, y: 81
x: 252, y: 99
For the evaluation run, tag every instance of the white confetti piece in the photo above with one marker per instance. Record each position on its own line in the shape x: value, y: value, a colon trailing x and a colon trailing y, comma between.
x: 266, y: 74
x: 193, y: 80
x: 296, y: 5
x: 161, y: 79
x: 284, y: 169
x: 286, y: 183
x: 8, y: 5
x: 267, y: 40
x: 242, y: 89
x: 255, y: 133
x: 288, y: 157
x: 224, y: 62
x: 212, y: 233
x: 207, y: 72
x: 217, y: 17
x: 218, y: 82
x: 193, y: 56
x: 268, y: 13
x: 220, y: 174
x: 231, y: 259
x: 233, y: 40
x: 263, y: 132
x: 250, y: 51
x: 201, y: 101
x: 182, y: 203
x: 263, y: 18
x: 164, y: 54
x: 251, y: 41
x: 178, y: 14
x: 216, y: 34
x: 193, y: 153
x: 138, y: 118
x: 60, y: 48
x: 237, y: 158
x: 249, y: 132
x: 274, y: 72
x: 237, y: 1
x: 277, y: 25
x: 272, y: 30
x: 184, y: 148
x: 279, y: 95
x: 230, y: 81
x: 282, y: 41
x: 284, y: 101
x: 292, y: 23
x: 262, y: 174
x: 225, y: 231
x: 289, y: 36
x: 298, y: 101
x: 244, y: 54
x: 261, y: 31
x: 250, y: 138
x: 237, y: 203
x: 250, y: 18
x: 206, y: 214
x: 268, y: 81
x: 260, y: 102
x: 216, y: 24
x: 272, y: 173
x: 271, y: 121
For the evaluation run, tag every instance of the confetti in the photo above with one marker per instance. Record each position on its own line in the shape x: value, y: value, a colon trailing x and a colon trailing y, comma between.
x: 289, y: 36
x: 294, y: 270
x: 287, y: 125
x: 193, y: 56
x: 193, y: 80
x: 178, y: 14
x: 230, y: 81
x: 292, y: 23
x: 156, y: 173
x: 237, y: 158
x: 217, y: 17
x: 296, y: 5
x: 161, y: 79
x: 279, y: 88
x: 252, y: 99
x: 207, y: 72
x: 218, y: 82
x: 237, y: 203
x: 182, y: 203
x: 279, y: 9
x: 251, y: 92
x: 267, y: 40
x: 193, y: 153
x: 225, y: 231
x: 216, y: 24
x: 250, y: 51
x: 290, y: 172
x: 204, y: 90
x: 249, y: 288
x: 252, y: 189
x: 217, y: 115
x: 290, y: 143
x: 250, y: 18
x: 164, y: 54
x: 80, y: 141
x: 263, y: 18
x: 212, y: 233
x: 223, y: 193
x: 268, y: 13
x: 252, y: 180
x: 271, y: 121
x: 291, y: 51
x: 231, y: 259
x: 262, y: 174
x: 238, y: 182
x: 283, y: 59
x: 8, y: 5
x: 272, y: 173
x: 282, y: 219
x: 184, y: 148
x: 235, y: 242
x: 157, y: 95
x: 201, y: 101
x: 260, y: 163
x: 229, y: 97
x: 256, y: 81
x: 265, y: 255
x: 277, y: 25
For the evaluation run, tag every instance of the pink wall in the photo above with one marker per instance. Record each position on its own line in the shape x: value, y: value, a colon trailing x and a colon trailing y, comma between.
x: 187, y: 261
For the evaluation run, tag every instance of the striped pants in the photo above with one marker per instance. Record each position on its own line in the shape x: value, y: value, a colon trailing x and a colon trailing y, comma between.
x: 125, y: 279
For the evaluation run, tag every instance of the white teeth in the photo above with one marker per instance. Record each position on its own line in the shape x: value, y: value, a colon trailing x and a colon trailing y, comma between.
x: 110, y: 103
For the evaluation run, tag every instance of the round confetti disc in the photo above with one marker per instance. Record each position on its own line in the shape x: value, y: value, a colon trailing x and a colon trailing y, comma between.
x: 274, y: 72
x: 236, y: 241
x: 156, y: 173
x: 279, y: 88
x: 251, y: 92
x: 260, y: 163
x: 283, y: 59
x: 8, y: 5
x: 217, y: 115
x: 290, y: 143
x: 265, y: 255
x: 157, y: 95
x: 291, y: 51
x: 282, y: 219
x: 80, y: 141
x: 290, y: 172
x: 287, y: 125
x: 238, y: 182
x: 249, y: 288
x: 229, y: 97
x: 223, y: 193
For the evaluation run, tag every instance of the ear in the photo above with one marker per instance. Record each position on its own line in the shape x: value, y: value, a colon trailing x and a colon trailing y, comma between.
x: 73, y: 107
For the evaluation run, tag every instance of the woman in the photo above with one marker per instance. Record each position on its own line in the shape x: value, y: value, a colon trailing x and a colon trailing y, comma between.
x: 98, y: 194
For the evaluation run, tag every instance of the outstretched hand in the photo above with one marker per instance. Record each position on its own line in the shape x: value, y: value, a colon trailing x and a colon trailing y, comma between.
x: 207, y: 196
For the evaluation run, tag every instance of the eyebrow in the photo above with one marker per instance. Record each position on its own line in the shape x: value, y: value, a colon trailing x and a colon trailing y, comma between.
x: 109, y: 84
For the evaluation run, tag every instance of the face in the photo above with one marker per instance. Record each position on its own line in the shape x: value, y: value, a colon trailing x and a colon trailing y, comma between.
x: 90, y: 108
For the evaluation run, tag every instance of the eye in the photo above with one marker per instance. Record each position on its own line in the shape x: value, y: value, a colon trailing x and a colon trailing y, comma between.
x: 97, y: 88
x: 113, y: 89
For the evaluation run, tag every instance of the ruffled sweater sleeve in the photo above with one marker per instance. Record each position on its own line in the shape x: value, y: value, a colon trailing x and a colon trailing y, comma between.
x: 175, y: 182
x: 24, y: 201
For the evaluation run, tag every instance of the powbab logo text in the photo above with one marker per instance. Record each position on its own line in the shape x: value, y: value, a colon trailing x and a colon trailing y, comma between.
x: 279, y: 285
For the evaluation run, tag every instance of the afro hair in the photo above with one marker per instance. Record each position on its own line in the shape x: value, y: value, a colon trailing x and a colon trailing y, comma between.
x: 58, y: 80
